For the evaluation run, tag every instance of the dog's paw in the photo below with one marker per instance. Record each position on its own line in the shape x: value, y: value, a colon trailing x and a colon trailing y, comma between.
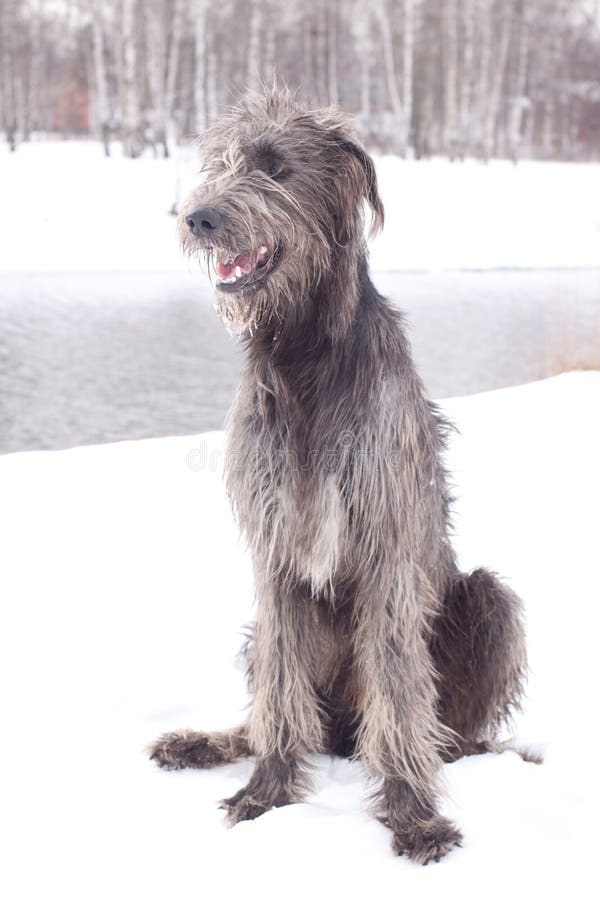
x: 429, y: 842
x: 186, y: 750
x: 244, y: 806
x: 250, y: 803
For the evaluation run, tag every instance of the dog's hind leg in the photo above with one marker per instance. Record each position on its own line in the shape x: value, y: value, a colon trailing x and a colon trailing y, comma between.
x: 200, y: 750
x: 478, y: 649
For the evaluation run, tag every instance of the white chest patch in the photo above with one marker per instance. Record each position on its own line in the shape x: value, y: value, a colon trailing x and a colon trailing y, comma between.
x: 313, y: 537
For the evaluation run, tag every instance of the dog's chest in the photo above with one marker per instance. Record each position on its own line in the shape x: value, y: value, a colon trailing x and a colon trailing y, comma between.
x: 290, y: 506
x: 311, y: 528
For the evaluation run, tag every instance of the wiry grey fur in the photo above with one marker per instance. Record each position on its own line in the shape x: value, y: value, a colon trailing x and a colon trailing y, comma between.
x: 368, y: 641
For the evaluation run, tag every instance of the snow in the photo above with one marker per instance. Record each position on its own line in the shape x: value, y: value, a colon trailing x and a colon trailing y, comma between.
x: 67, y: 208
x: 125, y: 590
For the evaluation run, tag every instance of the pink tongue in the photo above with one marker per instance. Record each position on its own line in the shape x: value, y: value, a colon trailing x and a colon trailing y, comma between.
x: 224, y: 270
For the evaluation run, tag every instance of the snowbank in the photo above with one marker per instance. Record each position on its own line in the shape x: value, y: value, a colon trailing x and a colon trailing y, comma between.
x: 125, y: 589
x: 67, y: 208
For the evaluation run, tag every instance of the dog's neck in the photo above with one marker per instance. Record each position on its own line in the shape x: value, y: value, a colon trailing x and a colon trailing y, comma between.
x: 314, y: 355
x: 319, y: 323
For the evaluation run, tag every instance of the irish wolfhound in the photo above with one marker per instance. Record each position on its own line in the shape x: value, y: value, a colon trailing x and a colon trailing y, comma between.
x: 368, y: 641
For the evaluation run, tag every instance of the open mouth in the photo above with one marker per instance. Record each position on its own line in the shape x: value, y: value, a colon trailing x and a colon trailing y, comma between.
x: 246, y: 272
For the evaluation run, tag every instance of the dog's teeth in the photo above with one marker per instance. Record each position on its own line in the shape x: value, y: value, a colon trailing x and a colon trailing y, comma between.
x: 238, y: 272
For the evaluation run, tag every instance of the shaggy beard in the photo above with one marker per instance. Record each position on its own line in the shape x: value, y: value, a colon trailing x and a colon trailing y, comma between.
x: 242, y: 312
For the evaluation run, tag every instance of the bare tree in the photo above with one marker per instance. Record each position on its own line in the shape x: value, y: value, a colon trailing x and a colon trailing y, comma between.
x: 132, y: 129
x: 484, y: 72
x: 8, y: 48
x: 269, y: 65
x: 156, y: 16
x: 332, y: 51
x: 497, y: 78
x: 407, y: 73
x: 450, y: 45
x: 200, y: 8
x: 469, y: 10
x: 174, y: 56
x: 102, y: 109
x: 35, y: 74
x: 380, y: 11
x: 254, y: 48
x: 519, y: 102
x: 320, y: 30
x: 360, y: 27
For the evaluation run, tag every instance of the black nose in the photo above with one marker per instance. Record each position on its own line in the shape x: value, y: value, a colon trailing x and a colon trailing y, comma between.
x: 203, y: 221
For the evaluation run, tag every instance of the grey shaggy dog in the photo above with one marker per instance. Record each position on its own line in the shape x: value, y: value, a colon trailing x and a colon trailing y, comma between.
x: 368, y: 641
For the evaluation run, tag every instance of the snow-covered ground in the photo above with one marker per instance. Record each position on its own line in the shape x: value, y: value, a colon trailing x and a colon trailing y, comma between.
x: 125, y: 589
x: 67, y: 208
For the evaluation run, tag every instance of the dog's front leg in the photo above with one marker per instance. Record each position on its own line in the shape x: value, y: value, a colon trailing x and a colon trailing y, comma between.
x: 284, y: 723
x: 399, y: 736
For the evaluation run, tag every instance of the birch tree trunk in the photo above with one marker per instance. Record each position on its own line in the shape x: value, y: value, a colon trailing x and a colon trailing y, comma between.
x: 519, y: 100
x: 332, y: 52
x: 200, y: 9
x: 308, y: 58
x: 8, y: 39
x: 484, y: 18
x: 131, y: 128
x: 450, y: 77
x: 548, y: 116
x: 35, y: 67
x: 407, y: 74
x: 425, y: 120
x: 381, y: 14
x: 253, y: 67
x: 269, y: 70
x: 21, y: 101
x: 364, y: 54
x: 499, y: 71
x: 101, y: 108
x: 322, y: 94
x: 155, y: 14
x: 173, y: 58
x: 212, y: 84
x: 467, y: 76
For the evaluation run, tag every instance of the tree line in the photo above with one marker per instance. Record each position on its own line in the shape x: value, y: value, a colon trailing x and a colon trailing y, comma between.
x: 507, y: 78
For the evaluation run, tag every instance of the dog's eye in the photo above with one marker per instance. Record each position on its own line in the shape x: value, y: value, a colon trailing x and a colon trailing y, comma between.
x: 268, y: 160
x: 275, y: 168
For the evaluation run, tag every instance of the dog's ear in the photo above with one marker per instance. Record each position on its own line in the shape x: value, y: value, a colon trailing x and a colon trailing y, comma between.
x: 367, y: 172
x: 338, y: 129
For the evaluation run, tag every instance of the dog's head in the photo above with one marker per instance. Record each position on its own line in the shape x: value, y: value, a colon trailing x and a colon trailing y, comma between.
x: 280, y: 205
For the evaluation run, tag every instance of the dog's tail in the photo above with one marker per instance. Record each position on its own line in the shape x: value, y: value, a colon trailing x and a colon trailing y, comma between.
x: 475, y: 748
x: 478, y: 648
